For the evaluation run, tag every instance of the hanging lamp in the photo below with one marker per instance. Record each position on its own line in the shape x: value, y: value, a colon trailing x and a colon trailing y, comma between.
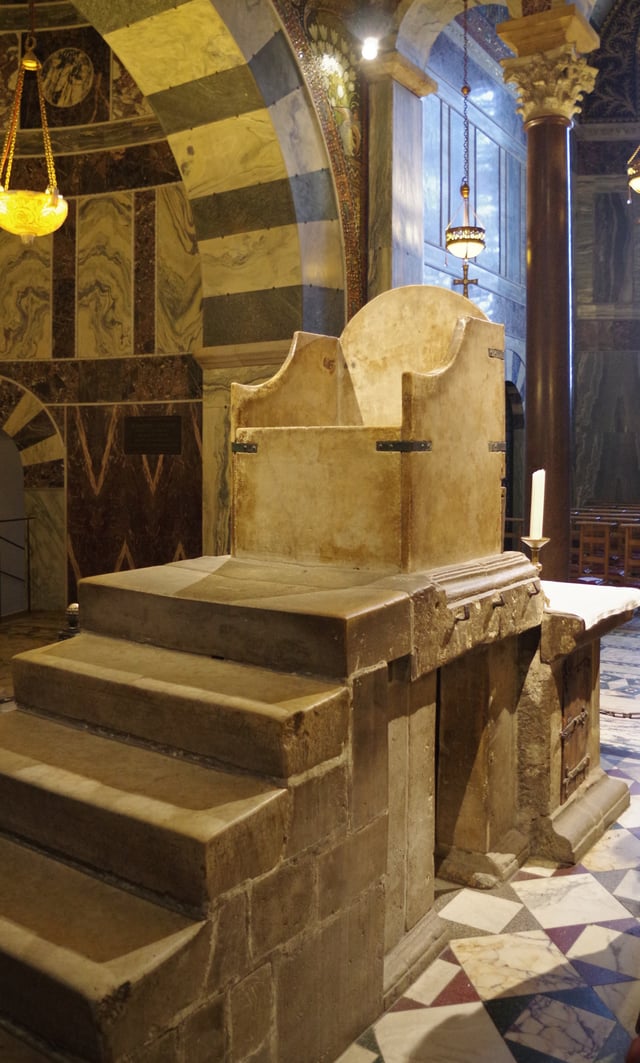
x: 28, y: 213
x: 467, y: 239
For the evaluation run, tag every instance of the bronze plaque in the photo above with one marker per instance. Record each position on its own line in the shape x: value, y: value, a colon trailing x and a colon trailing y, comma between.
x: 153, y: 435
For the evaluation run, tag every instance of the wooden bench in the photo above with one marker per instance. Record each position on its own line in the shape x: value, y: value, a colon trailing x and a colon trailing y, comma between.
x: 605, y: 544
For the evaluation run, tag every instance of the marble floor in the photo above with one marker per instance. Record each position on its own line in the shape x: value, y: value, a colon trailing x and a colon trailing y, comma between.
x: 546, y: 967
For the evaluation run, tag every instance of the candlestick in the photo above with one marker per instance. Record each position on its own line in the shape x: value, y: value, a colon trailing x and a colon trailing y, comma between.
x: 535, y: 545
x: 537, y: 504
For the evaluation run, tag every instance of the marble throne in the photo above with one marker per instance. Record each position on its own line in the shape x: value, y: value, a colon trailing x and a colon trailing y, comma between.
x: 383, y: 449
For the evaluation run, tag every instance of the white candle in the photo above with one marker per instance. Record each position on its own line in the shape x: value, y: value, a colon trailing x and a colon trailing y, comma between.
x: 537, y: 504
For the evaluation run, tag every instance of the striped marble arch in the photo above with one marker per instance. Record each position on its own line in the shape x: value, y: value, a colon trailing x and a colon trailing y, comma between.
x: 224, y: 83
x: 27, y: 422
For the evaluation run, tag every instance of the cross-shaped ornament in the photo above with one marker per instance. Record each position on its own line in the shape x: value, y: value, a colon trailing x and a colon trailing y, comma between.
x: 464, y: 279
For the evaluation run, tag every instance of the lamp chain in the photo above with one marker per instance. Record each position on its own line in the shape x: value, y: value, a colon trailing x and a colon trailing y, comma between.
x: 9, y: 146
x: 465, y: 93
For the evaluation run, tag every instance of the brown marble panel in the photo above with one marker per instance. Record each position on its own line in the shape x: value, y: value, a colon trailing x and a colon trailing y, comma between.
x: 127, y: 511
x: 607, y: 334
x: 37, y: 429
x: 63, y: 310
x: 126, y: 98
x: 607, y: 397
x: 103, y: 171
x: 144, y: 265
x: 10, y: 396
x: 45, y: 474
x: 166, y: 378
x: 612, y: 249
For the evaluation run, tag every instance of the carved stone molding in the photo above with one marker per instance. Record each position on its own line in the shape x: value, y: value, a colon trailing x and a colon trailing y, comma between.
x: 551, y: 83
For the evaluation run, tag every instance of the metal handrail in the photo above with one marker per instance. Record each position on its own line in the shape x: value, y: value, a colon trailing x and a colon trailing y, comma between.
x: 26, y: 549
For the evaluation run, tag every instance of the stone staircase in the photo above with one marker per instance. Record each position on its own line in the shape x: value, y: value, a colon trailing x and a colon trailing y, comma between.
x: 157, y: 809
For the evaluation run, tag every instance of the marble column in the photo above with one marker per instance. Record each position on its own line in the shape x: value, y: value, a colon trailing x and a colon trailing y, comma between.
x: 396, y: 225
x: 551, y: 76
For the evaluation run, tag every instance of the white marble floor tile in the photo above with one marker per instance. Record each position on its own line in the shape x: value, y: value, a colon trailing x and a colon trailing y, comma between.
x: 623, y: 999
x: 541, y: 869
x: 472, y: 908
x: 507, y: 965
x: 608, y: 948
x: 630, y: 818
x: 616, y: 850
x: 629, y: 887
x: 453, y: 1034
x: 430, y: 984
x: 569, y: 900
x: 557, y: 1029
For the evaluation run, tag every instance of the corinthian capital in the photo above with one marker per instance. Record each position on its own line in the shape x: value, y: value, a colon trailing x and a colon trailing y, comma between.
x: 550, y: 83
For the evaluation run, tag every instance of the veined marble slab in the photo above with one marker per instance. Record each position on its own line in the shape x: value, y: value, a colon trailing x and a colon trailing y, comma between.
x: 236, y: 152
x: 590, y: 604
x: 176, y: 46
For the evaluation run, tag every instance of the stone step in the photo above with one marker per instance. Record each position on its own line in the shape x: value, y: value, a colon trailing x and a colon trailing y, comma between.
x: 268, y: 722
x: 88, y: 968
x: 182, y: 830
x: 315, y: 620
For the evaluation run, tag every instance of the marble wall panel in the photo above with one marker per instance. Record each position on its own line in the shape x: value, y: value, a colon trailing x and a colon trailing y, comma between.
x: 105, y: 277
x: 177, y: 45
x: 99, y: 172
x: 130, y: 510
x: 17, y: 407
x: 607, y: 334
x: 244, y: 210
x: 228, y: 93
x: 434, y: 142
x: 251, y: 317
x: 274, y: 69
x: 321, y: 256
x: 37, y: 429
x: 45, y: 507
x: 245, y: 142
x: 107, y: 380
x: 251, y: 261
x: 489, y: 161
x: 45, y: 474
x: 44, y: 450
x: 607, y: 433
x: 582, y: 217
x: 126, y: 99
x: 9, y: 59
x: 612, y: 249
x: 514, y: 218
x: 299, y: 135
x: 178, y: 274
x: 144, y: 272
x: 63, y: 288
x: 251, y: 24
x: 25, y: 297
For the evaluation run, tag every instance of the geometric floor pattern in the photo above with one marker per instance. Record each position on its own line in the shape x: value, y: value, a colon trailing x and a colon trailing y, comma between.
x: 545, y: 967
